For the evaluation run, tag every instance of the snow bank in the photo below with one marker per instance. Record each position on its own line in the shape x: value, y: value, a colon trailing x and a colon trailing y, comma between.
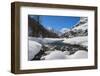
x: 55, y: 55
x: 34, y: 48
x: 83, y: 40
x: 64, y: 55
x: 78, y: 55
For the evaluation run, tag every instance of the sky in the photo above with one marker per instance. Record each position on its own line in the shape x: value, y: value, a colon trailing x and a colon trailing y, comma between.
x: 58, y: 22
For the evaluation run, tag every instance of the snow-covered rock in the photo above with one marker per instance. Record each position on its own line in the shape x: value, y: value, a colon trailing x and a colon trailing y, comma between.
x: 34, y: 48
x: 66, y: 52
x: 82, y: 40
x: 82, y: 27
x: 62, y: 55
x: 82, y: 24
x: 55, y: 55
x: 78, y: 55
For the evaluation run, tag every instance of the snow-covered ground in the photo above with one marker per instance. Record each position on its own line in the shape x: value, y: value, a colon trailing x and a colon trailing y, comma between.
x: 35, y: 45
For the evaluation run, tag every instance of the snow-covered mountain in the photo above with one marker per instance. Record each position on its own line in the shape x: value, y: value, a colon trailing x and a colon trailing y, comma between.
x: 64, y: 30
x: 59, y: 33
x: 80, y: 29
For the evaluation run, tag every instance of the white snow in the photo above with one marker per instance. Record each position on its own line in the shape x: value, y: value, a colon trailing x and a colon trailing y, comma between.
x: 43, y: 58
x: 48, y: 52
x: 62, y: 55
x: 66, y: 52
x: 63, y: 30
x: 82, y: 40
x: 78, y: 54
x: 83, y: 27
x: 85, y: 44
x: 55, y: 55
x: 34, y: 48
x: 45, y: 40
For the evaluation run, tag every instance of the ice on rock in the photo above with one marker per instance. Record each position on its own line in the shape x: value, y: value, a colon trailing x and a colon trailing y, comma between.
x: 34, y: 48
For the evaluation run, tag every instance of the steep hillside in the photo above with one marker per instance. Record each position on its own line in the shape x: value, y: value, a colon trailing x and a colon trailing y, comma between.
x: 35, y: 29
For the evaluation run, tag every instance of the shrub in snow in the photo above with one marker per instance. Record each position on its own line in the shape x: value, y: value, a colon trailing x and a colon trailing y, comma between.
x: 55, y: 55
x: 34, y: 48
x: 78, y: 54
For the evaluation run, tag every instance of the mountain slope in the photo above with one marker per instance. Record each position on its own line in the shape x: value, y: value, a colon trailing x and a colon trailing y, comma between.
x: 37, y: 30
x: 80, y: 29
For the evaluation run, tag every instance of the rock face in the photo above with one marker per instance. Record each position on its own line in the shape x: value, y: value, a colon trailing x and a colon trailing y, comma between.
x: 35, y: 29
x: 80, y: 29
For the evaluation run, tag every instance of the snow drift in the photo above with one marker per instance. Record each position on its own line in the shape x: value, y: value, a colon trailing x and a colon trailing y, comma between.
x: 55, y: 55
x: 61, y: 55
x: 82, y: 40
